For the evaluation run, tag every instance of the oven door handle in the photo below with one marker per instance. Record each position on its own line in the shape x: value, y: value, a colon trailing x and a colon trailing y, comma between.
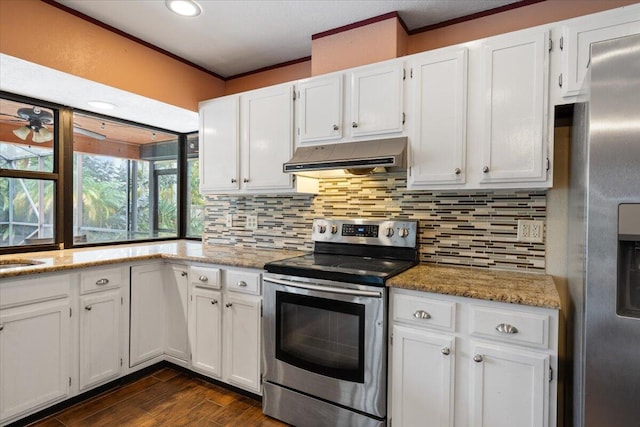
x: 343, y: 291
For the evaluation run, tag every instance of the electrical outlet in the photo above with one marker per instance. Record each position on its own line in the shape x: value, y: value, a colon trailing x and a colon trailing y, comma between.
x: 252, y: 222
x: 530, y: 231
x: 229, y: 220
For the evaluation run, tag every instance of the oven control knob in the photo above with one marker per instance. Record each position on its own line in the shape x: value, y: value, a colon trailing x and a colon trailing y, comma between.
x: 389, y: 232
x: 322, y: 229
x: 334, y: 229
x: 403, y: 232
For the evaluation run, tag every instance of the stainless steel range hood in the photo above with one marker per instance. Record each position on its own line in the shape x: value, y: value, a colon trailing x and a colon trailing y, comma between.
x: 356, y: 157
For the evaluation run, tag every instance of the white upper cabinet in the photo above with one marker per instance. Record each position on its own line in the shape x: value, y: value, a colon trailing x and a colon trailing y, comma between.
x: 319, y: 109
x: 579, y: 33
x: 438, y: 87
x: 376, y: 99
x: 246, y: 139
x: 220, y: 145
x: 267, y: 137
x: 513, y: 108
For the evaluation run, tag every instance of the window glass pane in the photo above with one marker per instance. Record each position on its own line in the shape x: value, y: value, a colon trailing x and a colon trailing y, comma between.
x: 27, y: 137
x: 26, y: 211
x: 195, y: 200
x: 125, y: 182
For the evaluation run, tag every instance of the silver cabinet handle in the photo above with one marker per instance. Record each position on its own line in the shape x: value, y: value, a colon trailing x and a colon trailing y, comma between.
x: 203, y: 278
x: 242, y: 284
x: 1, y: 327
x: 421, y: 314
x: 335, y: 127
x: 505, y: 328
x: 214, y: 301
x: 354, y: 125
x: 446, y: 351
x: 88, y: 308
x: 183, y: 273
x: 457, y: 171
x: 485, y: 169
x: 233, y: 180
x: 228, y: 304
x: 245, y: 180
x: 101, y: 282
x: 477, y: 358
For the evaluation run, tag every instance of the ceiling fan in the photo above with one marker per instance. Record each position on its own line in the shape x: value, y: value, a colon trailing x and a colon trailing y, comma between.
x: 37, y: 119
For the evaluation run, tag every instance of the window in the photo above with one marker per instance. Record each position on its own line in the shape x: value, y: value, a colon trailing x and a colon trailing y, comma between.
x: 125, y: 181
x: 77, y: 178
x: 28, y: 175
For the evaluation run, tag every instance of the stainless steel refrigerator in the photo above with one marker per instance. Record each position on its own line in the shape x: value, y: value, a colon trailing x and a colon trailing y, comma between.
x: 604, y: 240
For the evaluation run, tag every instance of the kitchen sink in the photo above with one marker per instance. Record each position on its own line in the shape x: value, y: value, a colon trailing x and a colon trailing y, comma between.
x: 13, y: 263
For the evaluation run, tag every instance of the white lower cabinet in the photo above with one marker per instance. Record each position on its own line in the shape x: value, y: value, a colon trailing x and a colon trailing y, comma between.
x: 205, y: 331
x: 176, y: 291
x: 464, y: 362
x: 148, y: 313
x: 509, y: 387
x: 35, y: 350
x: 242, y: 338
x: 100, y: 337
x: 423, y: 373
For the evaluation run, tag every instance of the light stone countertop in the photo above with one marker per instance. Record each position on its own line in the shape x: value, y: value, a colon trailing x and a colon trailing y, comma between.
x: 183, y: 250
x: 504, y: 286
x: 510, y: 287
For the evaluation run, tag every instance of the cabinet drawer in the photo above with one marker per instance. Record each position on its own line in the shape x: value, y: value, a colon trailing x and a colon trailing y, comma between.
x: 510, y: 326
x: 423, y: 311
x: 42, y: 288
x: 106, y: 278
x: 205, y: 277
x: 243, y: 281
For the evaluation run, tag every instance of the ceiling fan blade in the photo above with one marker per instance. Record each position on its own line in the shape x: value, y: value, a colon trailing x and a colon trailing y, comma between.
x: 89, y: 133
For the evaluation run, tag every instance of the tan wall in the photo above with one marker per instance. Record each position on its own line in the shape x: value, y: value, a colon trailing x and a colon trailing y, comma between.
x: 42, y: 34
x: 515, y: 19
x: 289, y: 73
x: 359, y: 46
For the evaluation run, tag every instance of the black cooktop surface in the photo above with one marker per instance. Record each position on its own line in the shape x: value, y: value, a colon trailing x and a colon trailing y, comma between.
x: 342, y: 268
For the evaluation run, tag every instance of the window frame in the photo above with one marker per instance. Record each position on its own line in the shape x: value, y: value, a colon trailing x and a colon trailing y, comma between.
x: 62, y: 176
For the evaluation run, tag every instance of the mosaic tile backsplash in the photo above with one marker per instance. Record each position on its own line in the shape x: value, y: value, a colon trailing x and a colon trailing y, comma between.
x: 477, y: 229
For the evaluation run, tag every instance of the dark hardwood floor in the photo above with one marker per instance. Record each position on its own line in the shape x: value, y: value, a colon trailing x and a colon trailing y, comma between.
x: 165, y: 397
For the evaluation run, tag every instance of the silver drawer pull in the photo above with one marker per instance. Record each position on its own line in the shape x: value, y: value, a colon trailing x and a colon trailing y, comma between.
x: 214, y: 301
x: 101, y: 282
x: 421, y: 314
x: 477, y: 358
x: 505, y: 328
x: 203, y: 278
x: 229, y: 304
x: 446, y: 351
x: 1, y: 327
x: 242, y: 284
x: 88, y: 308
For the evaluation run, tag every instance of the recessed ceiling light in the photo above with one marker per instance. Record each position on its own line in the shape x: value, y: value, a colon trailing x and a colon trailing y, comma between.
x: 102, y: 105
x: 184, y: 7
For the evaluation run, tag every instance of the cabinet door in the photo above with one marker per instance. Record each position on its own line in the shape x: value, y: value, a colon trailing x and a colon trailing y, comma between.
x: 147, y: 313
x: 580, y: 33
x: 509, y: 387
x: 177, y: 287
x: 319, y: 107
x: 514, y: 148
x: 205, y: 331
x: 376, y: 100
x: 242, y: 341
x: 34, y: 356
x: 422, y: 378
x: 219, y: 145
x: 100, y: 357
x: 267, y: 138
x: 438, y: 141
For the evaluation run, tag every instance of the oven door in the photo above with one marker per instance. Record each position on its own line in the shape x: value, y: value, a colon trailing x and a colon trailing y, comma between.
x: 327, y: 340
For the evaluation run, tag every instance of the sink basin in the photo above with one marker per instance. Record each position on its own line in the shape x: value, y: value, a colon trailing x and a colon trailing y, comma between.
x: 13, y: 263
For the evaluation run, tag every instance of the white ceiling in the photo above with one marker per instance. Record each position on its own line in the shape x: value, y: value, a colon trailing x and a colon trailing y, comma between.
x: 231, y: 37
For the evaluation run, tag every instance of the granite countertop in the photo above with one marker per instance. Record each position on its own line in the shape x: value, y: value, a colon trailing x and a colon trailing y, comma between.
x: 504, y: 286
x: 183, y: 250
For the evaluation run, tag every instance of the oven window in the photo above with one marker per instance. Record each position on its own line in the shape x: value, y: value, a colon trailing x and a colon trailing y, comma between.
x: 321, y: 335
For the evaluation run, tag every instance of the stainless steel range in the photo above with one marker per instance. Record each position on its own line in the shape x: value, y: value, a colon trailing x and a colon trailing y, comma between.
x: 325, y: 323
